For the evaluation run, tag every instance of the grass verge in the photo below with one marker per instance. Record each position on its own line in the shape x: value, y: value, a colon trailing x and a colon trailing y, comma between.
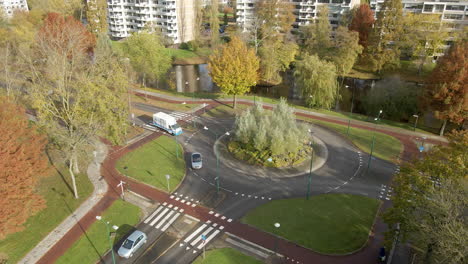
x: 151, y: 162
x: 346, y: 115
x: 60, y: 203
x: 90, y: 247
x: 225, y: 111
x: 328, y: 223
x: 170, y: 106
x: 385, y: 147
x: 225, y: 256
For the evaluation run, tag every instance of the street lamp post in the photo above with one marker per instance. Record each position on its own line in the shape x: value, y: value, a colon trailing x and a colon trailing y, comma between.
x: 309, y: 181
x: 415, y: 122
x: 217, y: 157
x: 193, y: 101
x: 277, y: 225
x: 98, y: 217
x: 373, y: 140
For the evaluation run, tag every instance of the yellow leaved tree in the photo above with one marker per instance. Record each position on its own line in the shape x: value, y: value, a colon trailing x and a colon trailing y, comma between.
x: 234, y: 68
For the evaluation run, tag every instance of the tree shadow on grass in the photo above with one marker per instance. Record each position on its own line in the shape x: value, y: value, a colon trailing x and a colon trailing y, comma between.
x: 83, y: 230
x: 49, y: 157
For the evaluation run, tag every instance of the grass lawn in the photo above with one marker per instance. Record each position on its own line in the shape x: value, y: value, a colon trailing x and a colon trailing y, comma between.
x: 60, y: 204
x: 89, y: 248
x: 225, y: 256
x: 225, y: 111
x: 151, y: 162
x: 328, y: 223
x: 385, y: 147
x: 165, y: 105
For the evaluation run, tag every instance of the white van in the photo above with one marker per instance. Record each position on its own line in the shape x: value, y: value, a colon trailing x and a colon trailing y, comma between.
x: 167, y: 123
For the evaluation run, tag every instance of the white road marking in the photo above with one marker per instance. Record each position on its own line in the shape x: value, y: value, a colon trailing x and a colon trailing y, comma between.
x: 164, y: 219
x: 177, y: 199
x: 229, y: 220
x: 153, y: 214
x: 208, y: 239
x: 170, y: 222
x: 195, y: 233
x: 159, y: 216
x: 199, y: 237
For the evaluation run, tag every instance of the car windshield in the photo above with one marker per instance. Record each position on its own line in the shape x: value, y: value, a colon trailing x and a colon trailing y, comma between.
x: 175, y: 127
x: 127, y: 244
x: 196, y: 157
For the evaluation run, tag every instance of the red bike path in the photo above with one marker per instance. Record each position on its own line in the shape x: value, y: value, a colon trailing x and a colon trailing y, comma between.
x: 292, y: 253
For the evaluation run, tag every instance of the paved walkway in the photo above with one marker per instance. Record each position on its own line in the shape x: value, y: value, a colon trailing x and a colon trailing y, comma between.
x: 100, y: 188
x: 64, y: 236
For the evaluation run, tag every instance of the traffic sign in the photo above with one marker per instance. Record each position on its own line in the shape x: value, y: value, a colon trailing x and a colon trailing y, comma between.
x: 203, y: 237
x: 421, y: 148
x: 168, y: 176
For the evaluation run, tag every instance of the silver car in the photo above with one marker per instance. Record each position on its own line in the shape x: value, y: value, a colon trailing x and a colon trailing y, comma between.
x: 196, y: 160
x: 131, y: 244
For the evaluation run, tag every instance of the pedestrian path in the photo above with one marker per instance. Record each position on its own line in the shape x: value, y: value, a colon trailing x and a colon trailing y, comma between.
x: 199, y: 238
x: 164, y: 216
x: 184, y: 116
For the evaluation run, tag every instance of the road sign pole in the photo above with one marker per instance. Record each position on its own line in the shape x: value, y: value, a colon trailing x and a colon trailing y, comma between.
x: 167, y: 179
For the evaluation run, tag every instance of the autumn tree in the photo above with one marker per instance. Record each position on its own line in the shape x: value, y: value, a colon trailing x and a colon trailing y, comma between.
x: 423, y: 36
x: 447, y: 89
x: 148, y: 55
x: 23, y: 162
x: 75, y: 8
x: 317, y: 34
x: 429, y: 203
x: 96, y: 16
x: 363, y: 19
x: 271, y: 39
x: 344, y: 50
x: 234, y: 68
x: 317, y: 81
x: 78, y: 89
x: 214, y: 22
x: 384, y: 42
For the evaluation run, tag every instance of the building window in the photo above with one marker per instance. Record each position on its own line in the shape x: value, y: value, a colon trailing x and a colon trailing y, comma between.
x: 455, y: 7
x: 428, y: 8
x: 453, y: 16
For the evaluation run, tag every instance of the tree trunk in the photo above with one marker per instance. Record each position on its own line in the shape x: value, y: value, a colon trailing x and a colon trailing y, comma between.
x: 70, y: 170
x: 442, y: 129
x: 421, y: 65
x: 234, y: 105
x: 76, y: 168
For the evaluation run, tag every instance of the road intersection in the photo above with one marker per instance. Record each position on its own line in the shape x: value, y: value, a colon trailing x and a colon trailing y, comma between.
x: 344, y: 171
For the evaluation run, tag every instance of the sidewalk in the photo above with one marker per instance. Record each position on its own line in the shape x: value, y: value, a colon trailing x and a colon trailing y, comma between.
x: 100, y: 188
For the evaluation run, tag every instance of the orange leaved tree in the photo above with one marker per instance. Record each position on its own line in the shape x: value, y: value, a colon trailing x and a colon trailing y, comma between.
x: 22, y: 163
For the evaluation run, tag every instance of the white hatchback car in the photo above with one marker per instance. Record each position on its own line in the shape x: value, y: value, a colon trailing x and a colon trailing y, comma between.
x: 196, y: 160
x: 131, y: 244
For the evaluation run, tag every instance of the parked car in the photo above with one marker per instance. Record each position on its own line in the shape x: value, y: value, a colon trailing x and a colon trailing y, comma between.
x: 196, y: 161
x: 132, y: 244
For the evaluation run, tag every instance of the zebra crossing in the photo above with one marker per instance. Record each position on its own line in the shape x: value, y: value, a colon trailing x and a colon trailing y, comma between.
x: 183, y: 116
x: 201, y: 236
x: 163, y: 217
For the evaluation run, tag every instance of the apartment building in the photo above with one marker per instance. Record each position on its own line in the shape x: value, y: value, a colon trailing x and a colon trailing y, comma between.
x: 176, y: 18
x: 304, y: 10
x: 452, y: 12
x: 9, y: 6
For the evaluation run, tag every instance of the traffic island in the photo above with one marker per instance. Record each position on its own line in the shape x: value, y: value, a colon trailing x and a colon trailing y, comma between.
x: 335, y: 224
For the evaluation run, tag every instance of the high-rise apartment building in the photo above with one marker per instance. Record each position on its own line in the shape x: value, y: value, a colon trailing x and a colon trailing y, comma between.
x: 9, y: 6
x: 452, y: 12
x: 304, y: 10
x: 176, y: 18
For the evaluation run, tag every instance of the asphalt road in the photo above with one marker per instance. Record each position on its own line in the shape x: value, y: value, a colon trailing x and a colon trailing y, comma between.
x: 345, y: 171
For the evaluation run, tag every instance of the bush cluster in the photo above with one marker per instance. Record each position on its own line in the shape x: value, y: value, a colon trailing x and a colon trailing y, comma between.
x: 276, y: 133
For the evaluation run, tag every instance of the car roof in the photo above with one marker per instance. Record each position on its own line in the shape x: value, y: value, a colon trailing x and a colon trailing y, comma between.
x: 136, y: 234
x: 196, y: 153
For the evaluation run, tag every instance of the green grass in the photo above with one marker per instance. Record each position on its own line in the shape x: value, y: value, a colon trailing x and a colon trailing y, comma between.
x: 181, y: 53
x: 151, y: 162
x: 170, y: 106
x: 328, y: 223
x: 60, y: 204
x: 385, y: 147
x: 225, y: 256
x: 225, y: 111
x: 90, y: 247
